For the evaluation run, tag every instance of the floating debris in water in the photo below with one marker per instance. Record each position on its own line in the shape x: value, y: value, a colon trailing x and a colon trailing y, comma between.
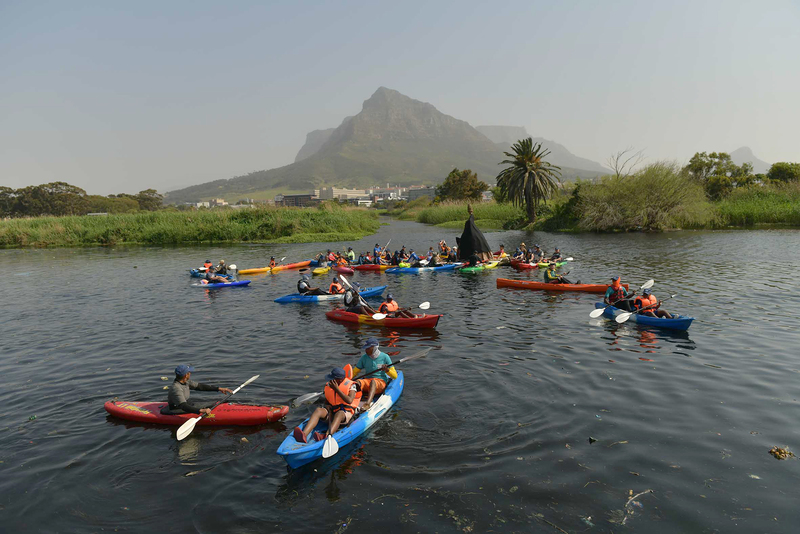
x: 245, y: 440
x: 591, y: 440
x: 781, y: 453
x: 755, y: 477
x: 164, y: 378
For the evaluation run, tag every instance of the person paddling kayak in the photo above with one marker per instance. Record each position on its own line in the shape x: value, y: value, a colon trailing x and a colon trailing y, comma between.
x: 304, y: 288
x: 353, y: 303
x: 648, y: 304
x: 272, y: 262
x: 551, y: 277
x: 538, y: 254
x: 212, y: 278
x: 616, y: 295
x: 178, y: 395
x: 373, y: 360
x: 335, y: 287
x: 351, y: 255
x: 341, y: 401
x: 208, y: 265
x: 556, y: 255
x: 391, y: 308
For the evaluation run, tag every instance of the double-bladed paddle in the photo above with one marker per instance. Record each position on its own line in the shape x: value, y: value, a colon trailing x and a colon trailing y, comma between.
x: 594, y: 314
x: 187, y: 427
x: 424, y: 306
x: 624, y: 316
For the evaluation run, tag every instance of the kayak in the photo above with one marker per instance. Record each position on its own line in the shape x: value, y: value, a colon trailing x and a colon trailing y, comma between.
x: 530, y: 284
x: 371, y: 267
x: 414, y: 270
x: 521, y: 265
x: 277, y: 268
x: 546, y: 264
x: 229, y: 284
x: 223, y: 415
x: 678, y: 322
x: 297, y: 297
x: 343, y: 269
x: 298, y: 454
x: 418, y: 321
x: 321, y: 270
x: 197, y: 273
x: 478, y: 268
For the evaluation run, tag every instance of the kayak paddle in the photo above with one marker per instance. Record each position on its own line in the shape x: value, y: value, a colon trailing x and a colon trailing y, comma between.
x: 187, y: 427
x: 624, y: 316
x: 313, y: 396
x: 594, y: 314
x: 424, y: 306
x: 331, y: 446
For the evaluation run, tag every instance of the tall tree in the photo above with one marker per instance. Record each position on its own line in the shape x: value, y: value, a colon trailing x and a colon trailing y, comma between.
x: 461, y: 185
x: 718, y: 174
x: 528, y: 179
x: 784, y: 172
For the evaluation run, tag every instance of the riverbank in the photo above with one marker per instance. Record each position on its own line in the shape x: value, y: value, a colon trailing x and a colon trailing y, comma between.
x: 650, y: 202
x: 263, y: 225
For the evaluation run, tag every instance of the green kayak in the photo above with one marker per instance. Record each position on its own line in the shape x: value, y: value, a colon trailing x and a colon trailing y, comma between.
x: 478, y: 268
x: 546, y: 264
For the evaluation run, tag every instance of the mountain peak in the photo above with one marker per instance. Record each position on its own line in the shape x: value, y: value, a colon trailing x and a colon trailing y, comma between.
x: 745, y: 155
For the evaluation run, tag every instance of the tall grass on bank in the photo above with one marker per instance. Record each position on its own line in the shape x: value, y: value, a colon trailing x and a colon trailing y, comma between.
x: 457, y: 211
x: 286, y: 225
x: 773, y: 204
x: 656, y: 198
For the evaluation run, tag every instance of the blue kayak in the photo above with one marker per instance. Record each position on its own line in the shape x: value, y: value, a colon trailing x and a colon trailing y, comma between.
x: 297, y: 297
x: 415, y: 270
x: 678, y: 322
x: 297, y: 454
x: 197, y: 273
x: 229, y: 284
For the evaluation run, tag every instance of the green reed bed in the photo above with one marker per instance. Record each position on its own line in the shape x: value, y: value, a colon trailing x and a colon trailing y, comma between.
x: 447, y: 212
x: 286, y: 225
x: 774, y: 204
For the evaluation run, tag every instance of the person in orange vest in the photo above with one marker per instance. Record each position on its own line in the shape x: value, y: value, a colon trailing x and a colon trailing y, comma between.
x: 648, y: 304
x: 392, y: 309
x: 335, y: 287
x: 341, y: 401
x: 272, y: 262
x: 208, y: 265
x: 380, y: 365
x: 617, y: 295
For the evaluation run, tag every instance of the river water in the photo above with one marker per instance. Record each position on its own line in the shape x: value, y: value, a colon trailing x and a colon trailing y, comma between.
x: 492, y: 433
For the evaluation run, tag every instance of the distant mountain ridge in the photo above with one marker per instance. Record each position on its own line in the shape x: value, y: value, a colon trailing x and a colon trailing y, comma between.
x: 393, y: 139
x: 745, y: 155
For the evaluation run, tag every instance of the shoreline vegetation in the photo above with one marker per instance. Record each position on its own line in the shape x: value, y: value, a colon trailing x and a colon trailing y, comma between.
x: 659, y: 197
x: 327, y: 222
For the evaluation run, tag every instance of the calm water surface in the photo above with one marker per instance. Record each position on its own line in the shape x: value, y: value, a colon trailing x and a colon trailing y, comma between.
x: 492, y: 433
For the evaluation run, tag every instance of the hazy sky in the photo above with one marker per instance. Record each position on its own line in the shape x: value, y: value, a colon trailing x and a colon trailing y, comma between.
x: 122, y: 96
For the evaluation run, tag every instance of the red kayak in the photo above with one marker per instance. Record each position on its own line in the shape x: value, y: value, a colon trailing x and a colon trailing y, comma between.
x: 530, y: 284
x: 343, y: 269
x: 371, y: 267
x: 521, y: 265
x: 418, y: 321
x: 223, y: 415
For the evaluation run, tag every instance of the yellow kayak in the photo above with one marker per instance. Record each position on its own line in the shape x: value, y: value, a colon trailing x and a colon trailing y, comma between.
x: 492, y: 264
x: 321, y: 270
x: 277, y: 268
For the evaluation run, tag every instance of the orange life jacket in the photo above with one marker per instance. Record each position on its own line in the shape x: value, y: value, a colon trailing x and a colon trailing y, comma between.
x: 643, y: 302
x: 335, y: 288
x: 208, y: 265
x: 339, y: 403
x: 272, y: 263
x: 617, y: 294
x: 388, y: 307
x: 341, y: 261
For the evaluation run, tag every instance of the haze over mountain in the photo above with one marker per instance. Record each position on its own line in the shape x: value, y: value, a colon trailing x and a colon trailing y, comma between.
x: 745, y: 155
x: 394, y: 139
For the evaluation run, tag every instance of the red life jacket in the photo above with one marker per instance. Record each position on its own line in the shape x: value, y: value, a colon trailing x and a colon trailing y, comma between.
x: 617, y: 294
x: 388, y: 307
x: 339, y: 403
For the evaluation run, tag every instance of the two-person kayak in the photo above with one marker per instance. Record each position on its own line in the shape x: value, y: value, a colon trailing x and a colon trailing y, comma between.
x: 298, y: 454
x: 297, y: 297
x: 223, y: 415
x: 544, y: 286
x: 678, y: 322
x: 277, y: 268
x: 418, y: 321
x: 199, y: 273
x: 227, y: 284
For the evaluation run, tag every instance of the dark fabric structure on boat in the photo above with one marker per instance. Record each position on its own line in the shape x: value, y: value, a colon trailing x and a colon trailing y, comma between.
x: 472, y: 240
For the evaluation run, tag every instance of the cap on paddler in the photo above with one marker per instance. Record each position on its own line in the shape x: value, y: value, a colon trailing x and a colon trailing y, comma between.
x: 371, y: 342
x: 336, y: 372
x: 389, y: 296
x: 614, y: 278
x: 182, y: 369
x: 647, y: 291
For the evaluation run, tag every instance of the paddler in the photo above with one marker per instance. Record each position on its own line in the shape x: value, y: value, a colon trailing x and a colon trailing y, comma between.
x: 304, y: 288
x: 212, y: 278
x: 518, y: 255
x: 391, y: 308
x: 556, y: 255
x: 335, y: 287
x: 331, y: 256
x: 362, y: 259
x: 413, y: 259
x: 178, y: 395
x: 374, y: 360
x: 432, y: 257
x: 551, y: 277
x: 453, y: 257
x: 341, y: 401
x: 473, y: 260
x: 502, y: 254
x: 616, y: 295
x: 272, y: 262
x: 351, y: 256
x: 221, y: 268
x: 355, y: 304
x: 538, y: 254
x: 208, y: 265
x: 648, y: 304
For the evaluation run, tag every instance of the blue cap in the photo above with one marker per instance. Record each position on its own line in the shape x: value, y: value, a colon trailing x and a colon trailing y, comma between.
x: 182, y: 369
x: 336, y: 372
x: 371, y: 342
x: 389, y: 296
x: 647, y: 291
x: 356, y: 284
x: 614, y: 278
x: 335, y: 279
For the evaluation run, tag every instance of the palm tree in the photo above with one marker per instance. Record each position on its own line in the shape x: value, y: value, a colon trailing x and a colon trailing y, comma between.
x: 528, y: 177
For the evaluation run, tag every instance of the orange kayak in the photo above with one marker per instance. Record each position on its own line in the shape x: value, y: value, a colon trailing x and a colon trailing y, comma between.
x: 418, y: 321
x: 530, y: 284
x: 277, y: 268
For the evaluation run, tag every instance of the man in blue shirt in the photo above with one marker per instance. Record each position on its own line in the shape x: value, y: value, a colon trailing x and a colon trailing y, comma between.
x: 374, y: 360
